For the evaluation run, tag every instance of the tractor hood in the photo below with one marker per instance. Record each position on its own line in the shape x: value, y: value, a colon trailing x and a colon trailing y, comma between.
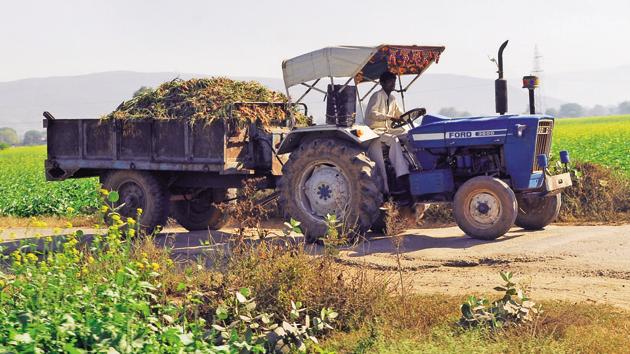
x: 438, y: 131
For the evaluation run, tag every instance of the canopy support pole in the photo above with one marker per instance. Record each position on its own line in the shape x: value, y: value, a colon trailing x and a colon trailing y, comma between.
x: 411, y: 82
x: 359, y: 99
x: 345, y: 85
x: 370, y: 91
x: 311, y: 87
x: 402, y: 93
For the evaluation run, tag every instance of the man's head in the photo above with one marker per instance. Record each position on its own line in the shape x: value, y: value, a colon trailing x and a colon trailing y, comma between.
x: 388, y: 81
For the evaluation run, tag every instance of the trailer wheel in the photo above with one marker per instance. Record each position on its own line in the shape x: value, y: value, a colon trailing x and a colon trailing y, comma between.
x: 534, y: 213
x: 485, y: 207
x: 200, y: 213
x: 139, y: 190
x: 327, y: 176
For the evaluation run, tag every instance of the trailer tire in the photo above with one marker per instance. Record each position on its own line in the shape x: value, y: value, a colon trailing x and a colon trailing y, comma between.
x: 534, y: 213
x: 319, y: 177
x: 139, y: 190
x: 485, y: 207
x: 200, y: 213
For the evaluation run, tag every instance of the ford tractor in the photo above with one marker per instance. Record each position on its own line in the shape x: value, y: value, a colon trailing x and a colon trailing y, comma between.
x: 492, y: 169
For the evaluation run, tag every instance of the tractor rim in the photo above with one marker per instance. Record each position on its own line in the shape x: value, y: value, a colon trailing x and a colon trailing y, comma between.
x: 483, y: 209
x: 133, y: 198
x: 323, y: 189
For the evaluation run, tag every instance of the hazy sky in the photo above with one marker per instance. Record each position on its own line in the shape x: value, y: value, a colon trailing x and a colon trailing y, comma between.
x: 250, y: 38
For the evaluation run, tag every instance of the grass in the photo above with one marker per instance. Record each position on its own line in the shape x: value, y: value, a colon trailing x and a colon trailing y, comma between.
x: 24, y: 191
x: 602, y: 140
x: 430, y: 327
x: 123, y: 292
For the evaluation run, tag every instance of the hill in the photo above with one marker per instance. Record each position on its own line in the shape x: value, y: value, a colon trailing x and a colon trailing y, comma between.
x: 85, y: 96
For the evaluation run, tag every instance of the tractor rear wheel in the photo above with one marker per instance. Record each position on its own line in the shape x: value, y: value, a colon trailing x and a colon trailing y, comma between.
x: 139, y: 190
x: 485, y: 207
x: 328, y: 176
x: 200, y: 212
x: 534, y: 212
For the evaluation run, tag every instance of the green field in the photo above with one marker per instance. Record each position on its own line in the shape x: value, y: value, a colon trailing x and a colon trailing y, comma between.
x: 603, y: 140
x: 25, y: 192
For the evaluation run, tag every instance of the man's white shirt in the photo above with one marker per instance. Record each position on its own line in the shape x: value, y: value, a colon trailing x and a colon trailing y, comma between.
x: 380, y: 109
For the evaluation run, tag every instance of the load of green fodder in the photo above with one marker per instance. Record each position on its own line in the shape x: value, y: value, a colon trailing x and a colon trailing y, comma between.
x: 206, y: 100
x: 598, y: 194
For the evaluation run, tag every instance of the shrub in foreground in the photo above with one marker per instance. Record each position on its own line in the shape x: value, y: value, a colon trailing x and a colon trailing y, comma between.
x: 514, y: 308
x: 108, y: 295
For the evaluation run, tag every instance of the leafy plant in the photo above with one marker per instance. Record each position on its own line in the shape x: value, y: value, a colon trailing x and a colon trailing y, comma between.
x: 333, y: 238
x: 513, y: 308
x: 240, y: 325
x: 108, y: 296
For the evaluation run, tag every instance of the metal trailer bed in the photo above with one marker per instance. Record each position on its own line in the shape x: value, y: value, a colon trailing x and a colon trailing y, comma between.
x: 219, y: 153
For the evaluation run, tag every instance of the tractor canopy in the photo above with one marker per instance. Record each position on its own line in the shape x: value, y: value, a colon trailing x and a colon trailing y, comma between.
x: 359, y: 63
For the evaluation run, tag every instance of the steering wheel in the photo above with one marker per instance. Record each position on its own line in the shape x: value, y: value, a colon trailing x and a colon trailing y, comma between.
x: 408, y: 117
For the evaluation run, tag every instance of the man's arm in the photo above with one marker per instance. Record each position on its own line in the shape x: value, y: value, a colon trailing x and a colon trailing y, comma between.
x: 397, y: 111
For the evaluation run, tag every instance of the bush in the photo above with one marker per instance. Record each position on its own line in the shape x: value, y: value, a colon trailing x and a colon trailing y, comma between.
x: 514, y: 308
x: 598, y: 194
x: 119, y: 293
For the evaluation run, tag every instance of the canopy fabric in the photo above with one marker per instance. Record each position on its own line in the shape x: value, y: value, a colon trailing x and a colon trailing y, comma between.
x: 361, y: 63
x: 344, y: 61
x: 400, y: 60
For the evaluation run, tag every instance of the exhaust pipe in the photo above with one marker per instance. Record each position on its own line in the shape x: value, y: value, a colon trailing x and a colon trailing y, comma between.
x: 531, y: 83
x: 500, y: 85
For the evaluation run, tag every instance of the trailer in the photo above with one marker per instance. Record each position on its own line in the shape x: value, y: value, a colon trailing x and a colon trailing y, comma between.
x: 492, y: 169
x: 165, y: 166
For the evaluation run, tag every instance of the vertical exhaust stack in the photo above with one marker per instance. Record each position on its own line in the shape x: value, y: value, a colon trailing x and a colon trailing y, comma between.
x: 500, y: 85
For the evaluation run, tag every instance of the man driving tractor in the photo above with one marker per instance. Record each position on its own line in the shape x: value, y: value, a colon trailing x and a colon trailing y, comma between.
x: 381, y: 109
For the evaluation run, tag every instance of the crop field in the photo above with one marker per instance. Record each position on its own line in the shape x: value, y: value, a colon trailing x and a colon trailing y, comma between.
x: 24, y: 191
x: 603, y: 140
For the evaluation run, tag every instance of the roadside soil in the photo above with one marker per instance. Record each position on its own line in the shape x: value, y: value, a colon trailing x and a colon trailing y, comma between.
x: 562, y: 262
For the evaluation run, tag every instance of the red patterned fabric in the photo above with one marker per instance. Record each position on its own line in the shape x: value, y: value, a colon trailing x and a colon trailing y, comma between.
x: 400, y: 60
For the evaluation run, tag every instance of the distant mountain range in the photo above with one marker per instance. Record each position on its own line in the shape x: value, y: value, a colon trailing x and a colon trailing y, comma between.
x: 88, y: 96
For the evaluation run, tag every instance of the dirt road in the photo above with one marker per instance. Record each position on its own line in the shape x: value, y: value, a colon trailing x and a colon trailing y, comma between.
x: 575, y: 263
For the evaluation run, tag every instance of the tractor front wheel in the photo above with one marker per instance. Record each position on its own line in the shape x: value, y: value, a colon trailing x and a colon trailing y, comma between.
x: 534, y: 212
x: 330, y: 177
x: 485, y: 207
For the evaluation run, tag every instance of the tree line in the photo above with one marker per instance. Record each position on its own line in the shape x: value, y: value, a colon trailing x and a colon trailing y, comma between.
x: 577, y: 110
x: 9, y: 137
x: 565, y: 110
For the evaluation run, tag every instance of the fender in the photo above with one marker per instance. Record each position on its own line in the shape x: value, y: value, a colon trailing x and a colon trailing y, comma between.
x: 357, y: 134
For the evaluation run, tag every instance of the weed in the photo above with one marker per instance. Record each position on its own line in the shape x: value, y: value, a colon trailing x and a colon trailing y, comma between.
x: 394, y: 227
x: 247, y: 212
x: 121, y: 293
x: 503, y: 312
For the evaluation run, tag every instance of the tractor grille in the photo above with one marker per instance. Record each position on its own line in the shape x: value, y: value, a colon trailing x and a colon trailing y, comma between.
x: 543, y: 141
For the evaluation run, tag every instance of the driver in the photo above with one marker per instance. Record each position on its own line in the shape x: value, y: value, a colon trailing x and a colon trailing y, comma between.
x: 381, y: 109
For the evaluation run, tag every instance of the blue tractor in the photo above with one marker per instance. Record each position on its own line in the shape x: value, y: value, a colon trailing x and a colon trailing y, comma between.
x: 493, y: 169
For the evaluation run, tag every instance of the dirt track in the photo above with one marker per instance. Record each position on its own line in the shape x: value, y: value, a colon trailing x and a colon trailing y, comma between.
x: 575, y: 263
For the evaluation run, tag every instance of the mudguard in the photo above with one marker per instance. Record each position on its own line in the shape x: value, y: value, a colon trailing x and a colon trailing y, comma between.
x: 357, y: 134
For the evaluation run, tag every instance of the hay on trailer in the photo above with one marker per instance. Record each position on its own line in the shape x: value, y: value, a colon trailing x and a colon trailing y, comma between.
x: 205, y: 100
